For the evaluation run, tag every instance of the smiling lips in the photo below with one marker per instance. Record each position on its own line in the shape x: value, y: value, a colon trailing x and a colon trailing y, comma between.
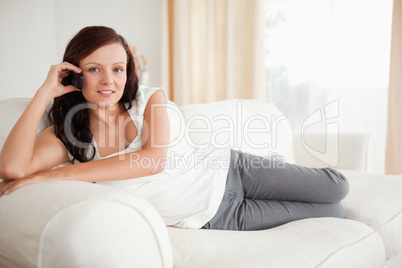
x: 106, y: 93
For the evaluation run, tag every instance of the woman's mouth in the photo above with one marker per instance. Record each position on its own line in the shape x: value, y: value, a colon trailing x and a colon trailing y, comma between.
x: 106, y: 93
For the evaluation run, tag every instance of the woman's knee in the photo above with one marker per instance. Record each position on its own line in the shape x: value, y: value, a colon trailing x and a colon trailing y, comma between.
x: 340, y: 184
x: 338, y: 211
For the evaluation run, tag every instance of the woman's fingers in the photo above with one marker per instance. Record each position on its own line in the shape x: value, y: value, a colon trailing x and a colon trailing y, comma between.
x: 7, y: 187
x: 14, y: 186
x: 53, y: 84
x: 64, y: 69
x: 66, y: 66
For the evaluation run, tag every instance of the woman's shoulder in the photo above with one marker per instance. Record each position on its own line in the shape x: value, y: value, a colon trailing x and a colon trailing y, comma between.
x: 142, y: 97
x: 146, y: 92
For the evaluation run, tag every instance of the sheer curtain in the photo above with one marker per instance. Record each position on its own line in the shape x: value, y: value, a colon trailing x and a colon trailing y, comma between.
x: 394, y: 137
x: 331, y: 52
x: 214, y: 50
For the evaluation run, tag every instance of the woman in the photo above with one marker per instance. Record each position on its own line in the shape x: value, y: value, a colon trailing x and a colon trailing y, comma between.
x: 112, y: 125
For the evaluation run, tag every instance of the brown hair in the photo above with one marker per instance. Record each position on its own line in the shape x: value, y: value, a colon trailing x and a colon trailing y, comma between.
x: 80, y: 46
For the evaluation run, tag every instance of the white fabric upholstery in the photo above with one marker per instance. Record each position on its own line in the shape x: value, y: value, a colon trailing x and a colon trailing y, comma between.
x: 312, y: 150
x: 253, y: 126
x: 322, y: 242
x: 394, y: 262
x: 77, y: 224
x: 376, y: 200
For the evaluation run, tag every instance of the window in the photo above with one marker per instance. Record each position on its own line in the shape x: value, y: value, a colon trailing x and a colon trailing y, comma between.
x: 324, y: 51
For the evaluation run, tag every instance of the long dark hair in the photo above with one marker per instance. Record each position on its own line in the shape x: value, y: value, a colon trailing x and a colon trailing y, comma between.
x: 78, y: 139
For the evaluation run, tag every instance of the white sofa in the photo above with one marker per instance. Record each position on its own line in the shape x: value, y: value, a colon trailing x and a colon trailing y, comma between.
x: 77, y: 224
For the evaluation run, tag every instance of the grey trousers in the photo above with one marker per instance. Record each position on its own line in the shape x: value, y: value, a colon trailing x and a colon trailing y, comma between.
x: 262, y: 193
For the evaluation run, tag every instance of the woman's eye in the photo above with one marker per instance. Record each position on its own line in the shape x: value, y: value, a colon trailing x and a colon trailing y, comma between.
x: 93, y: 69
x: 118, y: 70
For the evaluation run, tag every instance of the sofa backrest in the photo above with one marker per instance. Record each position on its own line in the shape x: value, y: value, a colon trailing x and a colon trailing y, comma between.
x: 253, y: 126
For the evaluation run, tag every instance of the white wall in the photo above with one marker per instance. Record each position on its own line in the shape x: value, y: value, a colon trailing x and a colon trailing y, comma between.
x: 34, y: 34
x: 27, y: 45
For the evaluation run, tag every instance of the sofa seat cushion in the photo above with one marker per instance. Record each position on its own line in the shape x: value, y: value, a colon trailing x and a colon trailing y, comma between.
x: 320, y: 242
x: 376, y: 200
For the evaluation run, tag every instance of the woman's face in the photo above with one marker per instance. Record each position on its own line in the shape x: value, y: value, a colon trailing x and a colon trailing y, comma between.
x: 105, y: 75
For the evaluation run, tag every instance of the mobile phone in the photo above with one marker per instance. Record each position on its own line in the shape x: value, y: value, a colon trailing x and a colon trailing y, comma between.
x: 75, y: 79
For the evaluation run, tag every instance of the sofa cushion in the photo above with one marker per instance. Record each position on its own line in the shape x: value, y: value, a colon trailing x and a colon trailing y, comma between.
x: 253, y: 126
x: 346, y: 151
x: 320, y: 242
x: 376, y: 200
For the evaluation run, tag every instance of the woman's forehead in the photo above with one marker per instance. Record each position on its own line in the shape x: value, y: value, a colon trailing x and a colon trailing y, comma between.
x: 112, y: 53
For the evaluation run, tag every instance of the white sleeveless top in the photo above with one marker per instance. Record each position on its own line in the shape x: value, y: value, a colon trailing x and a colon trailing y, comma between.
x: 188, y: 192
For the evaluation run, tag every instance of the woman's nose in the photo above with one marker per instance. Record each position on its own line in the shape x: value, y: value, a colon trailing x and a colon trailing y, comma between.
x: 107, y: 78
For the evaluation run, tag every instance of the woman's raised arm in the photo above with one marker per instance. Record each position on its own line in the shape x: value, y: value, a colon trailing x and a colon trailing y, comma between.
x: 23, y: 154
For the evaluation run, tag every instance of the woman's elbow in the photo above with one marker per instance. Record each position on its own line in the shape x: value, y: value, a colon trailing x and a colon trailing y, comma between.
x: 8, y: 172
x: 160, y: 164
x: 151, y: 161
x: 159, y: 169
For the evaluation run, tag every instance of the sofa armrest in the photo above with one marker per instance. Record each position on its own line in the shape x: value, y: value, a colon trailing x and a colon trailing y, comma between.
x: 347, y: 151
x: 78, y: 224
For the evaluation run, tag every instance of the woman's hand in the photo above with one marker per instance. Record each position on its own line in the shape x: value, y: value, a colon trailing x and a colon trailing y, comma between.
x: 9, y: 186
x: 52, y: 83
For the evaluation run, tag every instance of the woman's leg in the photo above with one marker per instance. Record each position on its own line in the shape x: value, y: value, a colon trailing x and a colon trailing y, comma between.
x: 263, y: 193
x: 272, y: 179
